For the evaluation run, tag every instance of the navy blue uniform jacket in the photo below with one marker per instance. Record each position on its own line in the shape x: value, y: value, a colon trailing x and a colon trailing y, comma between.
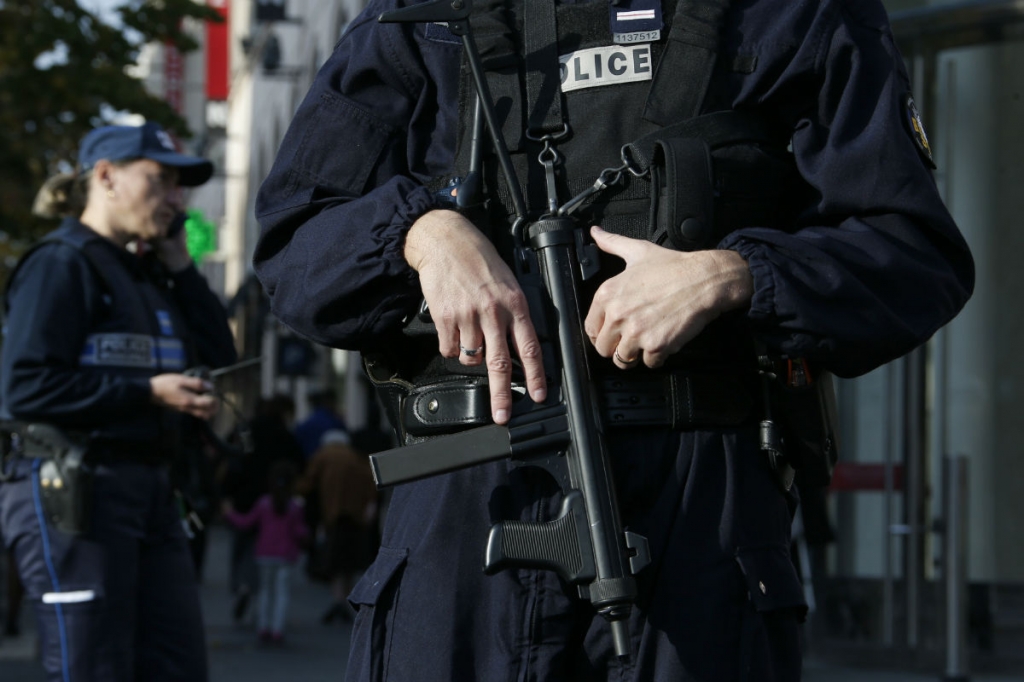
x: 874, y: 266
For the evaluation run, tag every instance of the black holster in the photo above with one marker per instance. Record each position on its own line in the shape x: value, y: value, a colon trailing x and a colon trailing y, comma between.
x: 65, y: 480
x: 808, y: 420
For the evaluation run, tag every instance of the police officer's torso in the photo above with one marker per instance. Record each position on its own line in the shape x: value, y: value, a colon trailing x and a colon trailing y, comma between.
x: 135, y: 331
x: 595, y: 97
x: 603, y: 94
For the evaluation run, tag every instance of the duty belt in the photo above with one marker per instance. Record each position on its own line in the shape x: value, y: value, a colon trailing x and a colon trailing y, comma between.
x: 680, y: 399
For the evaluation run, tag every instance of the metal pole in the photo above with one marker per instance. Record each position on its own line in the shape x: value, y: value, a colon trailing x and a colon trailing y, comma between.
x: 892, y: 416
x: 914, y: 487
x: 955, y: 568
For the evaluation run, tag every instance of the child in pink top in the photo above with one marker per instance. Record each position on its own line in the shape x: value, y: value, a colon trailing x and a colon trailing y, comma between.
x: 282, y: 532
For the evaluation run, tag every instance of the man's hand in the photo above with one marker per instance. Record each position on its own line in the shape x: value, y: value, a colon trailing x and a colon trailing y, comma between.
x: 184, y: 394
x: 475, y: 303
x: 662, y: 300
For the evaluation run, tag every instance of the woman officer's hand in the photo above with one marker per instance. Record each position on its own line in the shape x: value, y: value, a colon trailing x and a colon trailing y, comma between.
x: 191, y: 395
x: 172, y: 250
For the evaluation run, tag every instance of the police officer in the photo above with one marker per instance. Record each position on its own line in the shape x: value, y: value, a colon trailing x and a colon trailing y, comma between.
x: 103, y: 317
x: 781, y: 206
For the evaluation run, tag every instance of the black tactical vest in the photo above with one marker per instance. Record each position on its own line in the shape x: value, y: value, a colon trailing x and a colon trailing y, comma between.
x: 709, y: 170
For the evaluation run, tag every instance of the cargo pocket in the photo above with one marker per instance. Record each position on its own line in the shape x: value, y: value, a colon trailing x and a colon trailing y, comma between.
x: 375, y: 598
x: 770, y: 637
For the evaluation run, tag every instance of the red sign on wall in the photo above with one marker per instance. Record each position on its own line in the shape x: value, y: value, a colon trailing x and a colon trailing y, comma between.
x: 217, y: 53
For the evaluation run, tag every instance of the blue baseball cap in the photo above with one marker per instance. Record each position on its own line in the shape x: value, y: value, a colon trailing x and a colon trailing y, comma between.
x: 148, y: 141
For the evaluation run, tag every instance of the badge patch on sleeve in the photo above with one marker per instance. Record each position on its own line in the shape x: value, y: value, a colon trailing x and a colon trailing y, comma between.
x: 916, y: 126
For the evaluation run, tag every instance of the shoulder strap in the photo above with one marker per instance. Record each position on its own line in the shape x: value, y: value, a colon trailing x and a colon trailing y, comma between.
x: 60, y: 237
x: 76, y: 241
x: 684, y: 71
x: 82, y: 244
x: 543, y: 94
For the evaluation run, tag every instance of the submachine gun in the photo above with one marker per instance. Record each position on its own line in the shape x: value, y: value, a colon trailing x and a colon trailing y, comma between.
x: 586, y: 544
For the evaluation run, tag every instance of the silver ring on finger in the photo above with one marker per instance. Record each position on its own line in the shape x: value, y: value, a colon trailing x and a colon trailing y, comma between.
x: 471, y: 352
x: 625, y: 361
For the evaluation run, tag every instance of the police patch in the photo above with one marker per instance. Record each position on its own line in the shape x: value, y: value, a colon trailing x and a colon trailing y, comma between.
x: 916, y: 127
x: 119, y: 350
x: 599, y: 66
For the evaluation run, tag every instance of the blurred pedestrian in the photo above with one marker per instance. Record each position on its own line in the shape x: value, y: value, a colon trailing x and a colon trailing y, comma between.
x: 324, y: 417
x: 341, y: 479
x: 245, y: 481
x: 281, y: 533
x: 104, y: 316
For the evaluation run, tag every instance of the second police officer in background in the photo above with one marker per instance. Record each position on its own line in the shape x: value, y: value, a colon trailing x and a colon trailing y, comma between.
x: 97, y: 340
x: 806, y: 224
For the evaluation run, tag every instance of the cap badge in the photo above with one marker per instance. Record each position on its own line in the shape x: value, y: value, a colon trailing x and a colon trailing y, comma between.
x: 165, y: 140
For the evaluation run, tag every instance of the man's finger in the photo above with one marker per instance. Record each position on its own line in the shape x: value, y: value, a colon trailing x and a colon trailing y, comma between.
x: 528, y: 348
x: 595, y: 320
x: 625, y: 248
x: 499, y: 377
x: 447, y: 335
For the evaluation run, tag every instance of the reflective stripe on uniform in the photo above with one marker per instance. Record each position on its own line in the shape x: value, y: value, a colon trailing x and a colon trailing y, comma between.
x: 133, y: 350
x: 76, y: 597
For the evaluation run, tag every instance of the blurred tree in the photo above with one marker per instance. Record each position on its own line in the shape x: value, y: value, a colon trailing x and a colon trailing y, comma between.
x: 61, y: 69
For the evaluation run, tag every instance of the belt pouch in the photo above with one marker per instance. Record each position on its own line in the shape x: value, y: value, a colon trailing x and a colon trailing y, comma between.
x: 446, y: 407
x: 683, y: 182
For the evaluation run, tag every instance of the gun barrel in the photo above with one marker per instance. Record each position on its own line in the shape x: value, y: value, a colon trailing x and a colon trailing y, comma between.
x: 613, y: 590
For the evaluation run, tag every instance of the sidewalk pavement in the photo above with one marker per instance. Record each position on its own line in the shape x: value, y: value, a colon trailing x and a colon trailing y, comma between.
x: 312, y: 652
x: 316, y: 653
